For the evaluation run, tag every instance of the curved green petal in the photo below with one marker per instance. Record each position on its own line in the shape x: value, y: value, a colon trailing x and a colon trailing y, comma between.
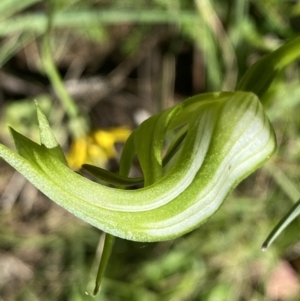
x: 227, y: 137
x: 110, y: 177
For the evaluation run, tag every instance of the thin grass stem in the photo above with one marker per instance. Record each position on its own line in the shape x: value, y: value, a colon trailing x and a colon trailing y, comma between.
x: 78, y: 126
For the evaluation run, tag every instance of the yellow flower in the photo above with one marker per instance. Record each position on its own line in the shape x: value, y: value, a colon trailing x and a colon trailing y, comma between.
x: 96, y: 148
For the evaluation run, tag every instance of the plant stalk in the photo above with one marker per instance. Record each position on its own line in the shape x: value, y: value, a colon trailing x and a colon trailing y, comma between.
x: 107, y: 248
x: 78, y: 125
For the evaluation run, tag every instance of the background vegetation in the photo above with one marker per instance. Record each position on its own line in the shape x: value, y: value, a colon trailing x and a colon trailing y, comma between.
x: 121, y: 61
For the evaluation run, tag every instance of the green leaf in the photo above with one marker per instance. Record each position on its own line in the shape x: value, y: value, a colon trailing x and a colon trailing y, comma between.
x: 10, y: 7
x: 227, y: 137
x: 282, y: 224
x: 260, y: 75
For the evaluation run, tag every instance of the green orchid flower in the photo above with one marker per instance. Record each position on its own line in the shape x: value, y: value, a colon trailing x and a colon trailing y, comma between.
x: 226, y: 137
x: 218, y: 140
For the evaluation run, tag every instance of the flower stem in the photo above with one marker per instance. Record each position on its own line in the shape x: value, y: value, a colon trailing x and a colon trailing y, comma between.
x: 107, y: 248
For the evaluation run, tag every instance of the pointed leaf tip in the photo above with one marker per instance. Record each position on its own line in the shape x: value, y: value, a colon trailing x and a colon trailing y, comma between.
x: 47, y: 137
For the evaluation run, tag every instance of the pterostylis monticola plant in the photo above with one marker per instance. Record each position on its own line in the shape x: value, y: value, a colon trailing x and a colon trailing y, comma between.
x: 218, y: 140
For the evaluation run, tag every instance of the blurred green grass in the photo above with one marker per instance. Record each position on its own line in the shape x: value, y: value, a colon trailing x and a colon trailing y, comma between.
x: 47, y: 254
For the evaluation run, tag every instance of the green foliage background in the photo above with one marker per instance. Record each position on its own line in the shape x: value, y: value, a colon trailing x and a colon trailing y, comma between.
x: 47, y: 254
